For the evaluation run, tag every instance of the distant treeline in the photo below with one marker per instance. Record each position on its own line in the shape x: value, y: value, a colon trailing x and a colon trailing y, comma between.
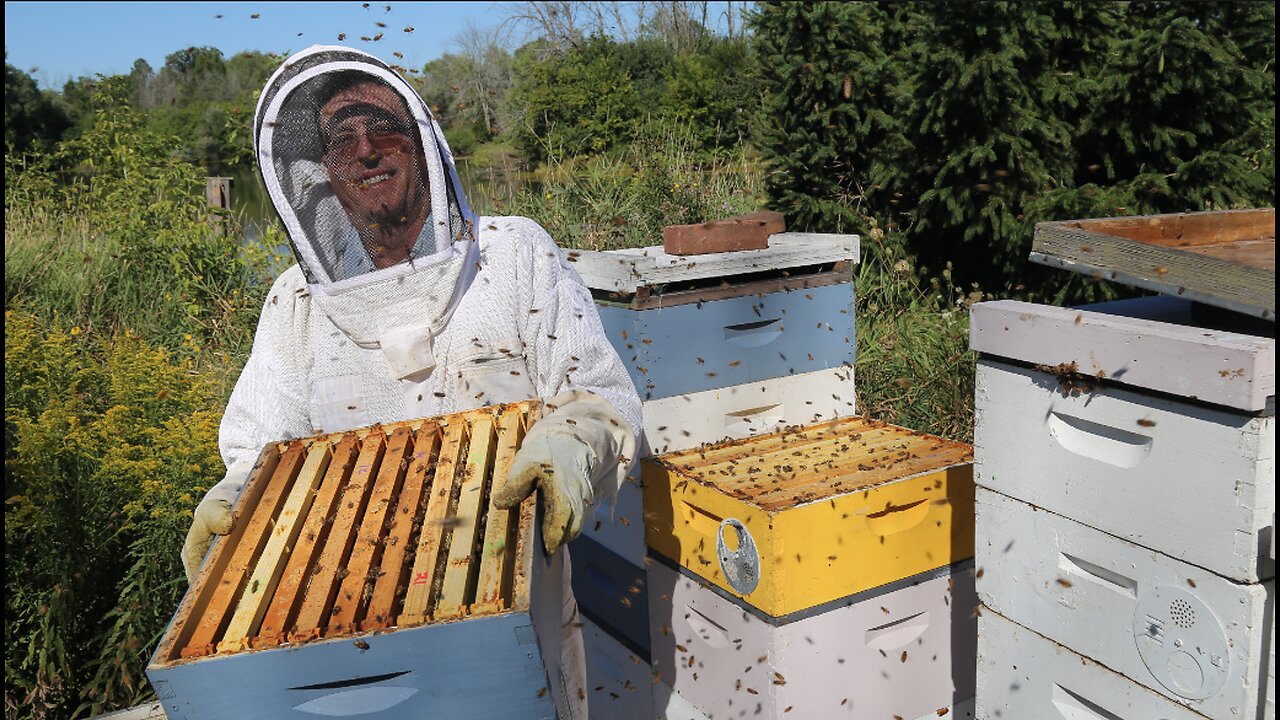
x: 955, y: 125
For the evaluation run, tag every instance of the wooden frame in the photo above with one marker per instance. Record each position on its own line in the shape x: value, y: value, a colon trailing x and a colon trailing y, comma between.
x: 1223, y: 258
x: 354, y: 540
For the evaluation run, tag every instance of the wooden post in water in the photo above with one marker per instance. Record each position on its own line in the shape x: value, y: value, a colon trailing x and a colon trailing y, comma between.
x: 217, y: 192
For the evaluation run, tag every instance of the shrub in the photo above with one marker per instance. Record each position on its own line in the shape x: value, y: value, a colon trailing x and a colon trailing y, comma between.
x: 108, y: 444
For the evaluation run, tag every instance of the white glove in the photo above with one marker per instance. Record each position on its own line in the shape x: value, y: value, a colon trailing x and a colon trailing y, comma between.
x: 212, y: 517
x: 560, y: 465
x: 579, y: 450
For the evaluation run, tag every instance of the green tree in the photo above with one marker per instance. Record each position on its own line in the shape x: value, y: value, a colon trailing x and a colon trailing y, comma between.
x: 582, y: 101
x: 33, y: 121
x: 828, y: 118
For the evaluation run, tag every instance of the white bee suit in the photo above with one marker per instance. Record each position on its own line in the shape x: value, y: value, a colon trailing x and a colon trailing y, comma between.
x: 488, y: 310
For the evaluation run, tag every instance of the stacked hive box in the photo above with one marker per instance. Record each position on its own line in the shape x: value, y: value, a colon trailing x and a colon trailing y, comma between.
x: 1126, y: 472
x: 368, y: 573
x: 721, y: 345
x: 819, y: 571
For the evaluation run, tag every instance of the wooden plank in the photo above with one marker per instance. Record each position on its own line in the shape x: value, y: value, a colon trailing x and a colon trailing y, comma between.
x: 841, y: 273
x: 626, y: 270
x: 422, y: 576
x: 460, y: 570
x: 1223, y: 368
x: 284, y: 534
x: 1185, y: 229
x: 323, y: 586
x: 1225, y: 259
x: 289, y: 591
x: 396, y: 557
x: 357, y: 585
x: 493, y: 587
x: 196, y: 600
x: 232, y: 580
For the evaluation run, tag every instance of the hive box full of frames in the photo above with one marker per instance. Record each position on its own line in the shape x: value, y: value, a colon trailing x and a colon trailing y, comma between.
x: 368, y: 573
x: 685, y: 324
x: 812, y: 514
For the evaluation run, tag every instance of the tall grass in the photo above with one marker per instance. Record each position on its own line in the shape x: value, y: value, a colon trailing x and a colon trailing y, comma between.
x: 607, y: 202
x: 913, y: 365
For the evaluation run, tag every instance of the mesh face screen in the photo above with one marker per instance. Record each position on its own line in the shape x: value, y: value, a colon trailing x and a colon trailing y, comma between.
x: 348, y: 155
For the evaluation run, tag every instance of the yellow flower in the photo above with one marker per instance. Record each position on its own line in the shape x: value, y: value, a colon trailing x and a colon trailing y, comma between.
x: 75, y: 330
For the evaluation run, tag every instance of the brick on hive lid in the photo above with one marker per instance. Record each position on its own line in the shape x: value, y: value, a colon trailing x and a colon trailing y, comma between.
x: 749, y: 231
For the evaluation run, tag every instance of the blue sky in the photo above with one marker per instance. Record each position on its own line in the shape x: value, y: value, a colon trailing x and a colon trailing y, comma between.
x: 65, y: 40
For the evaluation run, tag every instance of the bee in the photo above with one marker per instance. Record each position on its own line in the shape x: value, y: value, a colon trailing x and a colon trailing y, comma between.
x: 1064, y: 582
x: 361, y: 644
x: 255, y: 16
x: 1144, y: 422
x: 377, y: 37
x: 380, y: 24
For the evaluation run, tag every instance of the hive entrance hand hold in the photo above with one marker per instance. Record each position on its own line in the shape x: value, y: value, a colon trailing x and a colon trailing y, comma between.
x: 741, y: 567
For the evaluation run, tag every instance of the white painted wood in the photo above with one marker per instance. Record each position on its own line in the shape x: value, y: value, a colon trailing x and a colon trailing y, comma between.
x: 619, y: 684
x: 147, y: 711
x: 1186, y: 480
x: 671, y: 706
x: 1269, y: 690
x: 427, y: 671
x: 684, y: 421
x: 1223, y: 368
x: 905, y: 653
x: 625, y: 270
x: 1086, y: 589
x: 1024, y: 676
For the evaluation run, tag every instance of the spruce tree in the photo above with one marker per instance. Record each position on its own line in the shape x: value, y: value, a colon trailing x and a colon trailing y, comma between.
x: 827, y: 117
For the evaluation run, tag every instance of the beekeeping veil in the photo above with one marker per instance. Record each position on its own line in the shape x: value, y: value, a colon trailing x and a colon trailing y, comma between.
x: 365, y: 185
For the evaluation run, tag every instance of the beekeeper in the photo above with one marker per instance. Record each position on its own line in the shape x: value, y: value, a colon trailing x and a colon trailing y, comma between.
x: 404, y: 304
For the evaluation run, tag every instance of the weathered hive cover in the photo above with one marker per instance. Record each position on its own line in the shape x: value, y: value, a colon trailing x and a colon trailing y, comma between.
x: 1224, y: 258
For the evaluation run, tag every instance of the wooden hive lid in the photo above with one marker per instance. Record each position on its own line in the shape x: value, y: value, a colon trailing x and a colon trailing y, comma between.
x: 370, y: 530
x: 1224, y: 258
x: 804, y: 464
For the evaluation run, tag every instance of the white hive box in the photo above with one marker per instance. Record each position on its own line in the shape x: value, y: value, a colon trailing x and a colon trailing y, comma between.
x: 1173, y: 449
x: 729, y: 413
x: 671, y: 706
x: 1186, y: 633
x: 619, y: 684
x: 905, y: 650
x: 1024, y: 676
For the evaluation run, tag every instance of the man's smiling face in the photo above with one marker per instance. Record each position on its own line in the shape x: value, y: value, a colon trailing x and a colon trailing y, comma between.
x: 372, y: 157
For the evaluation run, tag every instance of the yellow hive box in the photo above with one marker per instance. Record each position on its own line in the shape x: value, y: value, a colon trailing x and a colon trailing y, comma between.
x: 813, y: 514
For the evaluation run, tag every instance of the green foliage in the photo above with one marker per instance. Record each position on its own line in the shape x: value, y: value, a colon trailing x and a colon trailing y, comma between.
x: 965, y: 123
x: 112, y: 231
x: 828, y: 125
x: 108, y: 442
x: 610, y: 202
x: 33, y: 120
x: 913, y: 366
x: 579, y: 102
